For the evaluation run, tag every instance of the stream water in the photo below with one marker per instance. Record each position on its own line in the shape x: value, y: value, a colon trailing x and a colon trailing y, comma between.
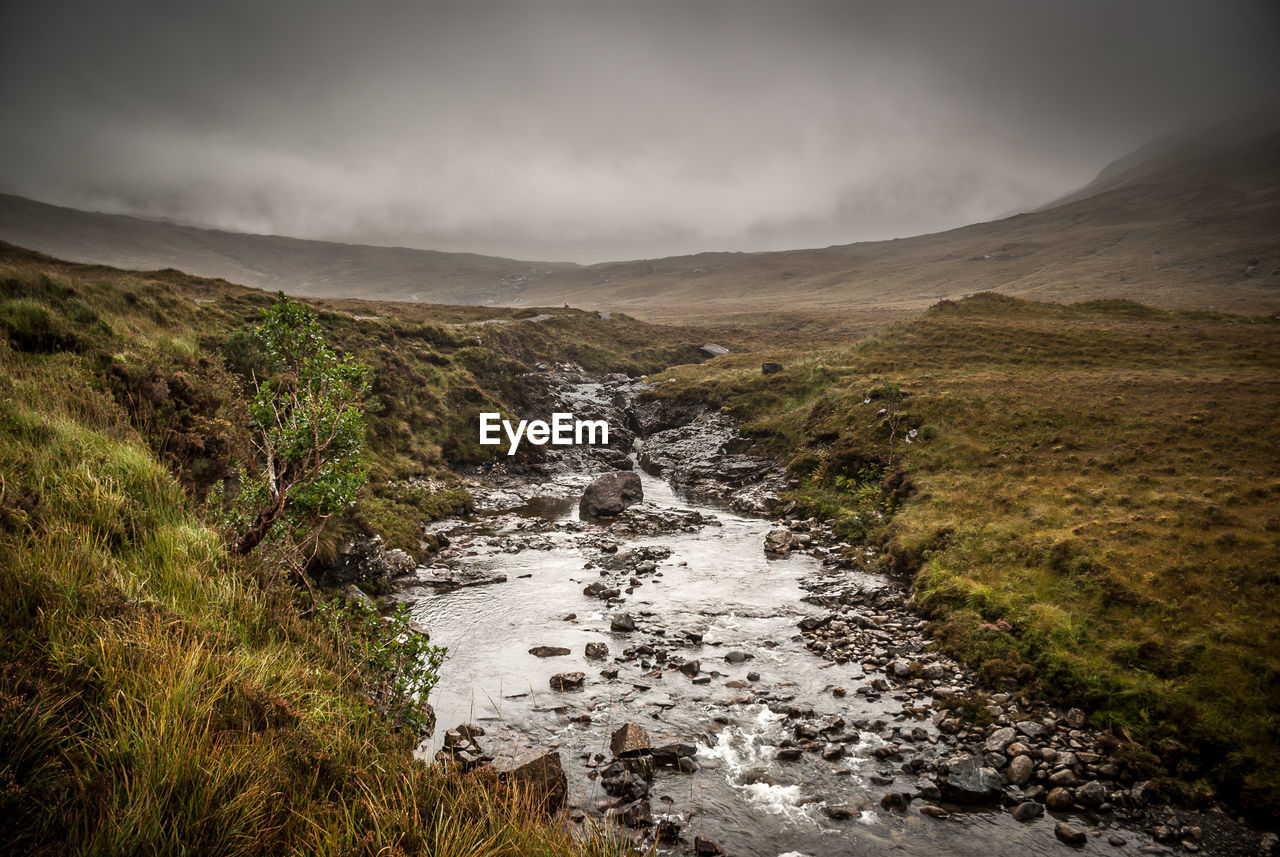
x: 715, y: 594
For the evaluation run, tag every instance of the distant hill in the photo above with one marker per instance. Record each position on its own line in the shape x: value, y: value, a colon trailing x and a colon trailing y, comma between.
x: 1174, y: 224
x: 275, y: 263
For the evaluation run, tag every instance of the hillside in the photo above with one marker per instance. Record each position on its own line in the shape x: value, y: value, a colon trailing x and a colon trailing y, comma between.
x: 1173, y: 225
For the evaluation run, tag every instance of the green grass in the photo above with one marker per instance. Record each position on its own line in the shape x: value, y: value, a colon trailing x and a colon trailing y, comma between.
x: 1090, y: 508
x: 156, y: 698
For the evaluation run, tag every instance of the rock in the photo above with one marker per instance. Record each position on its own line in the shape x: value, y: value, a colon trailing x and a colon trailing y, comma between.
x: 1031, y: 728
x: 934, y: 811
x: 1091, y: 794
x: 567, y: 681
x: 1020, y: 770
x: 537, y: 773
x: 1076, y: 718
x: 780, y: 541
x: 597, y: 651
x: 611, y: 494
x: 788, y: 754
x: 669, y: 755
x: 894, y: 800
x: 713, y: 350
x: 1068, y: 834
x: 622, y: 623
x: 667, y: 831
x: 635, y: 814
x: 840, y: 813
x: 969, y: 782
x: 365, y: 561
x: 999, y: 739
x: 548, y: 651
x: 691, y: 668
x: 358, y: 595
x: 623, y: 784
x: 1027, y: 810
x: 1065, y: 778
x: 770, y: 368
x: 705, y: 848
x: 738, y: 657
x: 1059, y: 799
x: 629, y: 739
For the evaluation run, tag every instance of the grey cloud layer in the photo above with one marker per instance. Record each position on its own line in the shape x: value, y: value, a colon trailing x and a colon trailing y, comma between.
x: 596, y: 130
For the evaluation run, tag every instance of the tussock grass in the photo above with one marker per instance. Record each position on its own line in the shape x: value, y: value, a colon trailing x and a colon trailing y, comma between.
x: 157, y: 699
x: 1089, y: 509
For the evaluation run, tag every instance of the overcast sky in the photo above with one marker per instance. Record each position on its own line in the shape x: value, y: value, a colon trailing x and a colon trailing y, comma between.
x: 599, y: 130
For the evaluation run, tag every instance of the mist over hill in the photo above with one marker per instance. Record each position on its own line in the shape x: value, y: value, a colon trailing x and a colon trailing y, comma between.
x: 1190, y: 222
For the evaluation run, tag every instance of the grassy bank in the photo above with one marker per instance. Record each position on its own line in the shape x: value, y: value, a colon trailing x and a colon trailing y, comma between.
x: 157, y: 697
x: 1086, y: 498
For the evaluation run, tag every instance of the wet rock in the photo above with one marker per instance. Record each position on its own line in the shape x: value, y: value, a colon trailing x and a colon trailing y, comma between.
x: 366, y: 562
x: 840, y: 813
x: 629, y: 739
x: 703, y: 847
x: 1059, y: 799
x: 567, y: 681
x: 1091, y: 794
x: 895, y: 801
x: 667, y: 831
x: 597, y: 651
x: 669, y: 755
x: 1032, y: 729
x: 610, y: 494
x: 691, y: 668
x: 1020, y: 770
x: 780, y: 541
x: 622, y: 623
x: 620, y: 783
x: 1065, y: 778
x: 934, y: 811
x: 537, y: 773
x: 738, y: 657
x: 1027, y: 811
x: 635, y: 814
x: 969, y: 782
x: 548, y: 651
x: 788, y: 754
x: 999, y: 739
x: 1068, y: 834
x: 770, y: 368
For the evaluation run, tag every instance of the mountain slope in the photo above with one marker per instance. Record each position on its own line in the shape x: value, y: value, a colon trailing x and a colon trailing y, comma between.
x: 1172, y: 225
x: 294, y: 265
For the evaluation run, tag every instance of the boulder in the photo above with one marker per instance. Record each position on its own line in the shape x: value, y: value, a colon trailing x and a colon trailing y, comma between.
x: 970, y: 782
x: 1068, y: 834
x: 597, y: 651
x: 1091, y: 794
x: 622, y: 623
x: 1027, y: 811
x: 1000, y: 739
x: 780, y: 541
x: 567, y: 681
x: 629, y: 739
x: 537, y: 773
x: 1059, y: 799
x: 713, y: 350
x: 366, y: 562
x: 770, y: 368
x: 611, y: 494
x: 1019, y: 771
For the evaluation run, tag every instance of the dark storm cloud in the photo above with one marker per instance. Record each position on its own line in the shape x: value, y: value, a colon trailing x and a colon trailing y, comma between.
x: 594, y: 130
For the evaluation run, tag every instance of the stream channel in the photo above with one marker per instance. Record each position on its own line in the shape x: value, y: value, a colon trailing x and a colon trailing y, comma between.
x: 523, y: 560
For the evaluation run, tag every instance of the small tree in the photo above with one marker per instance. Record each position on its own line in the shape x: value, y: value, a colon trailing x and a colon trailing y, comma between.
x: 307, y: 427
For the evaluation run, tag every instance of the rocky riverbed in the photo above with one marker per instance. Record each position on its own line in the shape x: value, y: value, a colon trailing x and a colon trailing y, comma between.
x: 713, y: 674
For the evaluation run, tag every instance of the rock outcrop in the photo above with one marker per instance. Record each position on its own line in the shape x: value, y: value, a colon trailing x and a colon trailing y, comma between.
x: 610, y: 494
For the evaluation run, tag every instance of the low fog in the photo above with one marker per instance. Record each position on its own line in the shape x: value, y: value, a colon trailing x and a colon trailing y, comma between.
x: 598, y: 130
